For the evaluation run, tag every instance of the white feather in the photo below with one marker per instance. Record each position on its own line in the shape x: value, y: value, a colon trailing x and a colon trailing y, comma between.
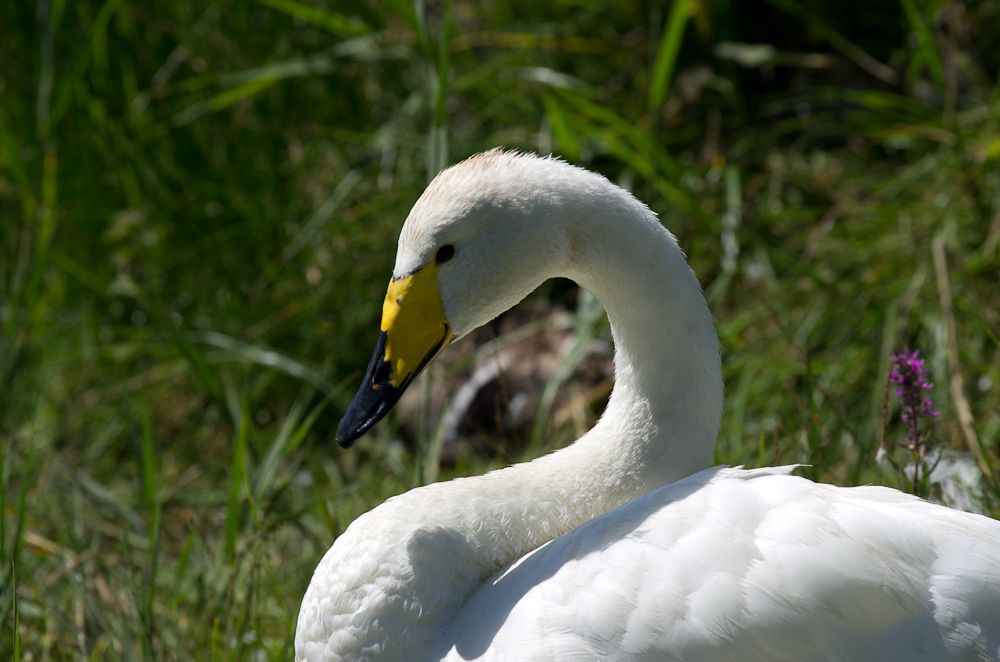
x: 623, y: 546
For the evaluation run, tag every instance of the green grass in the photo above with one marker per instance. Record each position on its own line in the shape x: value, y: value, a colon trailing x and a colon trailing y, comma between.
x: 198, y: 210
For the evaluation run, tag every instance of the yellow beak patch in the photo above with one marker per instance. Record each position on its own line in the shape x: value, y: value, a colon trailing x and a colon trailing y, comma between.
x: 414, y: 323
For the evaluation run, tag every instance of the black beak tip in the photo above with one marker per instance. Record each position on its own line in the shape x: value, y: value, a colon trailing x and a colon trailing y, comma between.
x: 368, y: 408
x: 345, y: 436
x: 377, y: 395
x: 372, y: 401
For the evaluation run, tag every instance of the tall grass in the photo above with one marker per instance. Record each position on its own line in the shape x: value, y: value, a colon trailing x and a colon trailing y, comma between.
x: 198, y: 210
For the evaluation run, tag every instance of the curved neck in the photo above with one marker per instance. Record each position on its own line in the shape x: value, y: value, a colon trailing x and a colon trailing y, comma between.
x: 660, y: 424
x: 664, y: 411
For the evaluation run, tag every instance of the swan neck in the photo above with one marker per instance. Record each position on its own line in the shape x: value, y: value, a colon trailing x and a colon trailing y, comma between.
x: 663, y: 415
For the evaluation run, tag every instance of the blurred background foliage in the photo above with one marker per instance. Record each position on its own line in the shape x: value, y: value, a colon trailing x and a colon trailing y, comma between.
x: 199, y: 203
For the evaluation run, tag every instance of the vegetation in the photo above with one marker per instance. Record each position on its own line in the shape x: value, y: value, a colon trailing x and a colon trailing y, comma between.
x: 199, y: 203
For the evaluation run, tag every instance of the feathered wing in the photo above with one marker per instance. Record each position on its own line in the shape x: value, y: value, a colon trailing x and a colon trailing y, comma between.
x: 748, y: 565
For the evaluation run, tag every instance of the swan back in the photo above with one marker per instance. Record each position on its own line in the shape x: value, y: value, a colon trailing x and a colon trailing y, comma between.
x: 757, y: 564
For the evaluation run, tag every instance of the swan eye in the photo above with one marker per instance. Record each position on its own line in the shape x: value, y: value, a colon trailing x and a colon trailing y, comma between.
x: 444, y: 254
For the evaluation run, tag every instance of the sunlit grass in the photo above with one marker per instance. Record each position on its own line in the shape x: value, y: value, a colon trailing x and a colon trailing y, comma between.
x: 199, y: 208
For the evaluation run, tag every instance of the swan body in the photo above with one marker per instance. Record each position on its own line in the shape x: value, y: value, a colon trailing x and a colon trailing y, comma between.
x: 621, y: 546
x: 757, y: 565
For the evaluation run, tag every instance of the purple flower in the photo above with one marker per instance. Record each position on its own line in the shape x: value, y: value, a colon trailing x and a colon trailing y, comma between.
x: 910, y: 377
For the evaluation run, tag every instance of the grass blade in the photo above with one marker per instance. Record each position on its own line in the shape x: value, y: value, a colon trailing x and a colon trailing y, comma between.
x: 247, y: 83
x: 666, y: 54
x: 277, y: 452
x: 845, y: 46
x: 331, y: 21
x: 151, y: 504
x: 49, y: 14
x: 15, y: 634
x: 322, y: 215
x: 235, y: 512
x: 224, y: 99
x: 566, y: 138
x: 926, y: 54
x: 438, y: 64
x: 13, y: 163
x: 263, y: 356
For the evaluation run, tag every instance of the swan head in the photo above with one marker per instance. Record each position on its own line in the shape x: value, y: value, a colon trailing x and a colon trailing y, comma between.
x: 481, y: 237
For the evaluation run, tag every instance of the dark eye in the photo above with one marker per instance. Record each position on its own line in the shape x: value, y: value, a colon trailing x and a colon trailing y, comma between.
x: 444, y: 254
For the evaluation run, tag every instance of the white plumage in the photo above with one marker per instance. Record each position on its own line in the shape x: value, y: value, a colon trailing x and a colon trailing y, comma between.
x: 623, y: 546
x: 748, y: 565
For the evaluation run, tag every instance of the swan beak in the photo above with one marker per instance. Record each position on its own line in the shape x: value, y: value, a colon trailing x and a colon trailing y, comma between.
x: 414, y: 329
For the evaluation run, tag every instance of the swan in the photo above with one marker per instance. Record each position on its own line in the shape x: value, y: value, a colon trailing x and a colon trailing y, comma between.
x: 624, y: 545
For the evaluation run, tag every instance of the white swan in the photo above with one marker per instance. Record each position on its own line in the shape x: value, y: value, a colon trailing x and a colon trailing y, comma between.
x: 541, y: 560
